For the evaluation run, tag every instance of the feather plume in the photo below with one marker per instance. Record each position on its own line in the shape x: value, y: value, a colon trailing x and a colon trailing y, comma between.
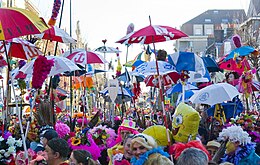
x: 237, y: 41
x: 130, y: 28
x: 44, y: 114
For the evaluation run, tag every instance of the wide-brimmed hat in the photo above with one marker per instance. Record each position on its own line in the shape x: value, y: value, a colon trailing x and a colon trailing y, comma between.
x: 128, y: 124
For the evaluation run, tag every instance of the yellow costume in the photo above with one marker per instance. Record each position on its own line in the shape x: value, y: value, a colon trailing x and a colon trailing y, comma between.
x: 185, y: 123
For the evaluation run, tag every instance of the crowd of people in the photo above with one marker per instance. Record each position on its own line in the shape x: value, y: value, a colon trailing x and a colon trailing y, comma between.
x: 58, y: 145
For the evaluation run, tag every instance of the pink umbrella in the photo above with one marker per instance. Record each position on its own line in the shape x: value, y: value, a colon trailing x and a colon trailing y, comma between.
x: 152, y: 34
x: 83, y: 57
x: 232, y: 65
x: 56, y: 34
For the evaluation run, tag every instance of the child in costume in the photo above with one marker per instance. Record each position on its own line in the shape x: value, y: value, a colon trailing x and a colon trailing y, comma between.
x: 127, y: 127
x: 239, y: 148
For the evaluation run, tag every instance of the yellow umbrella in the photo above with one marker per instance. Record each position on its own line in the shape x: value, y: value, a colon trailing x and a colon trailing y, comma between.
x: 158, y: 132
x: 16, y: 22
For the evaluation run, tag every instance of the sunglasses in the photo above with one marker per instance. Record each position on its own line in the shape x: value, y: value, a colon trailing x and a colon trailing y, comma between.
x: 140, y: 148
x: 141, y: 136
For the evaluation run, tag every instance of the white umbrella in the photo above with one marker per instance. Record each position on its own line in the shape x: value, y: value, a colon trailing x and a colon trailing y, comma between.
x: 106, y: 49
x: 215, y: 94
x: 61, y: 64
x: 149, y: 68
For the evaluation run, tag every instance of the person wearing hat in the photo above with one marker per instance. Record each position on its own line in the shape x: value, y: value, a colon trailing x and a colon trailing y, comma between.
x: 146, y: 151
x: 212, y: 147
x: 239, y: 148
x: 48, y: 135
x: 44, y: 138
x: 127, y: 127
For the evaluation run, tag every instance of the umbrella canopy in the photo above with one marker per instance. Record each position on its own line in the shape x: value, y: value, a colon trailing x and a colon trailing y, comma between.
x: 106, y: 49
x: 187, y: 61
x: 167, y: 79
x: 241, y: 51
x: 152, y: 34
x: 255, y: 85
x: 56, y: 34
x: 20, y: 48
x: 187, y: 96
x: 127, y: 95
x: 83, y: 57
x: 61, y: 64
x: 16, y: 22
x: 149, y: 68
x: 232, y: 65
x: 214, y: 94
x: 211, y: 64
x: 198, y: 77
x: 178, y: 88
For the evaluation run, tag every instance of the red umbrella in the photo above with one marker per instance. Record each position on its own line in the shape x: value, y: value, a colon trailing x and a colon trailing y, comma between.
x: 56, y: 34
x: 20, y: 48
x: 152, y: 34
x: 168, y: 79
x: 83, y: 57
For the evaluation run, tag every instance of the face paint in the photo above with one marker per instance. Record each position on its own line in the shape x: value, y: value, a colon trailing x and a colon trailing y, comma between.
x: 185, y: 123
x: 230, y: 147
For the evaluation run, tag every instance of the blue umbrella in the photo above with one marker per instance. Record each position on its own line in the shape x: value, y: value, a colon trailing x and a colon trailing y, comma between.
x: 178, y: 88
x: 187, y: 61
x: 242, y: 51
x: 188, y: 95
x: 210, y: 64
x: 231, y: 109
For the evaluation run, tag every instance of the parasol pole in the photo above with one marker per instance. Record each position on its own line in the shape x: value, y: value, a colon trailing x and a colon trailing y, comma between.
x: 16, y: 102
x: 161, y: 91
x: 3, y: 109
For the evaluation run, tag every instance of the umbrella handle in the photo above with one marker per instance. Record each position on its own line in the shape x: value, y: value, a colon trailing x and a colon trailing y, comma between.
x: 20, y: 120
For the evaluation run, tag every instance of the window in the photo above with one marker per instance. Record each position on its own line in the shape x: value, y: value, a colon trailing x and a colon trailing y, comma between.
x: 215, y: 11
x: 225, y: 20
x: 207, y: 20
x: 208, y: 29
x: 198, y: 30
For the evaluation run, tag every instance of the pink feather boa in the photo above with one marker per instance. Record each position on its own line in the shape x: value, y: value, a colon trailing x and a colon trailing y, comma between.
x: 93, y: 148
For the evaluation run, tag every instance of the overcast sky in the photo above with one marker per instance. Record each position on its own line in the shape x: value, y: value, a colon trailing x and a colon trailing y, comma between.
x: 108, y: 19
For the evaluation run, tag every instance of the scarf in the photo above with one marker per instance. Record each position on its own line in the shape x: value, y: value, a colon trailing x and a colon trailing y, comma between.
x: 143, y: 158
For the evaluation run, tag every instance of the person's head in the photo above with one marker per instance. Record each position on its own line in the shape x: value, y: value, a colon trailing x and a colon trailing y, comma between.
x: 81, y: 157
x: 212, y: 147
x: 48, y: 135
x: 231, y: 76
x: 192, y: 156
x: 57, y: 150
x: 127, y: 127
x: 127, y: 146
x: 142, y: 143
x: 236, y: 137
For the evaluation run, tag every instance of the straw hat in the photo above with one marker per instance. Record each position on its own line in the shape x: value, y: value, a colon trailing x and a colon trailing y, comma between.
x: 213, y: 143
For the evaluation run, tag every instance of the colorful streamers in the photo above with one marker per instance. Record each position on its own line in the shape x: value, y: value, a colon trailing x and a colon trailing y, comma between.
x: 55, y: 12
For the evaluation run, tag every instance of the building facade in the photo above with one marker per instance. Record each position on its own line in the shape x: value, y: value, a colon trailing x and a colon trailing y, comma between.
x: 208, y: 30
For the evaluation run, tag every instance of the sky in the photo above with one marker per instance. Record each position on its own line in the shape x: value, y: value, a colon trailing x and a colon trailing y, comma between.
x: 108, y: 19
